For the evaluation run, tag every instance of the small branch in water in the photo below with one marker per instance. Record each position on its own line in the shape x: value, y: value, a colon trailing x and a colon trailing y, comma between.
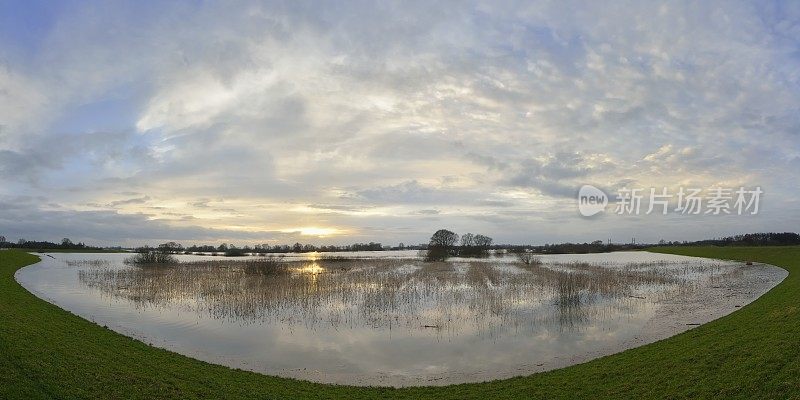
x: 693, y: 324
x: 431, y: 326
x: 638, y: 297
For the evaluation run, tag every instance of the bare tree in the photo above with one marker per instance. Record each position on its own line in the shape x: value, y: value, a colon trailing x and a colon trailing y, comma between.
x: 467, y: 240
x: 475, y: 245
x: 443, y: 238
x: 484, y: 242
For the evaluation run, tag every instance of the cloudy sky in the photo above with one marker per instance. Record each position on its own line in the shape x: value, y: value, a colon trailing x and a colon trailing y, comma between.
x: 336, y: 122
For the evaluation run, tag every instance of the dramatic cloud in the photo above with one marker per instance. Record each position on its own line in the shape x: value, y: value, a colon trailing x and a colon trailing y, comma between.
x: 330, y: 123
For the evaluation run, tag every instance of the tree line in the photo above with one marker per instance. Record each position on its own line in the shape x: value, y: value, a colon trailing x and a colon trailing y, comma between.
x: 748, y: 239
x: 66, y: 244
x: 230, y: 249
x: 445, y: 243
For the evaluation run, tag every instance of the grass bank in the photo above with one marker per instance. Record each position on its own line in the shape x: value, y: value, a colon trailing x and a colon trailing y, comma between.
x: 70, y: 250
x: 46, y: 352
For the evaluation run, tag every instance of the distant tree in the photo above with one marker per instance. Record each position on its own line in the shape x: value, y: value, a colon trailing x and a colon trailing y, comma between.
x: 66, y: 242
x: 443, y: 238
x: 2, y: 239
x: 483, y: 242
x: 170, y: 247
x: 475, y: 245
x: 467, y: 240
x: 441, y: 245
x: 297, y: 248
x: 234, y: 251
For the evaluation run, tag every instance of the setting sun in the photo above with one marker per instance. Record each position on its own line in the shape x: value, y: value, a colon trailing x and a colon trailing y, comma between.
x: 316, y: 231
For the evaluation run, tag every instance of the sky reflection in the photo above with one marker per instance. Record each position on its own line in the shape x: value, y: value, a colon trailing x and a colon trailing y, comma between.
x: 393, y: 321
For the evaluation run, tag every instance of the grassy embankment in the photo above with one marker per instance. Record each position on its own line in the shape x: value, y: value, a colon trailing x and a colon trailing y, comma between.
x: 70, y: 250
x: 46, y: 352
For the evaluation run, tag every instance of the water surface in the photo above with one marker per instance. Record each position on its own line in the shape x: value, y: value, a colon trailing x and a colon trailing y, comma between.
x: 386, y: 318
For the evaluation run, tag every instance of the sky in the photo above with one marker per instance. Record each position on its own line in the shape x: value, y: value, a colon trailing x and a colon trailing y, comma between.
x: 125, y: 123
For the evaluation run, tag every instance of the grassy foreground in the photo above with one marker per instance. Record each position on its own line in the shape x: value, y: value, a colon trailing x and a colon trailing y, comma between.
x: 72, y: 251
x: 46, y: 352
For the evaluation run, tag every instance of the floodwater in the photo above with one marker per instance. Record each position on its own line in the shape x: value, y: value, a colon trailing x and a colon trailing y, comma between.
x: 387, y: 318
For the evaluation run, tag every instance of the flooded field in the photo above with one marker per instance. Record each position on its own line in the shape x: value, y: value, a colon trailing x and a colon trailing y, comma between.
x: 387, y: 318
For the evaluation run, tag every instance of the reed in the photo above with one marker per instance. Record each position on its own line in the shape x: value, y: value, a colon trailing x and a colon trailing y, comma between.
x: 382, y: 293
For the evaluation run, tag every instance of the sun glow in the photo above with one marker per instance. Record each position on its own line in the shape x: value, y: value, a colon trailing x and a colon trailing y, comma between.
x: 315, y: 231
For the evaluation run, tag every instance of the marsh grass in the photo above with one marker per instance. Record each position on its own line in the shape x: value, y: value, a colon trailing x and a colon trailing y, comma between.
x: 265, y: 266
x: 88, y: 263
x: 341, y: 292
x: 333, y: 258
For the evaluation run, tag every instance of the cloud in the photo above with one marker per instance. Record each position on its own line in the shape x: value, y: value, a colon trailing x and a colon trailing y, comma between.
x: 28, y: 218
x: 402, y: 193
x: 22, y: 99
x: 136, y: 200
x: 428, y: 212
x: 262, y: 117
x: 339, y: 207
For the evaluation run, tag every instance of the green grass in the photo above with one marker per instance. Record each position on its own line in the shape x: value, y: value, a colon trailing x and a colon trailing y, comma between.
x: 46, y: 352
x: 70, y: 250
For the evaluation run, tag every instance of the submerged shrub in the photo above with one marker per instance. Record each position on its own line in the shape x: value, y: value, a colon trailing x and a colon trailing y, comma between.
x: 235, y: 252
x: 473, y: 251
x: 266, y: 266
x: 528, y: 258
x: 437, y: 254
x: 151, y: 257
